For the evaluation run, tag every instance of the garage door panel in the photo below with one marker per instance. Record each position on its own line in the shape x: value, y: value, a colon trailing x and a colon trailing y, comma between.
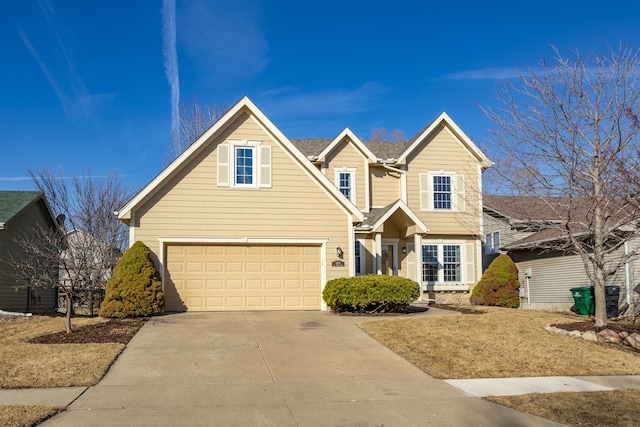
x: 194, y: 250
x: 236, y: 277
x: 215, y: 284
x: 254, y: 284
x: 273, y: 284
x: 214, y: 267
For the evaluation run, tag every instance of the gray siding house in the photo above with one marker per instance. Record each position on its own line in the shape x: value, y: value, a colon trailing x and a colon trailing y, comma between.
x: 520, y: 225
x: 22, y: 212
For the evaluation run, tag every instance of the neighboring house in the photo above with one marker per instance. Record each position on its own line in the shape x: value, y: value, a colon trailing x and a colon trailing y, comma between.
x: 87, y: 264
x: 521, y: 226
x: 246, y: 219
x: 21, y: 213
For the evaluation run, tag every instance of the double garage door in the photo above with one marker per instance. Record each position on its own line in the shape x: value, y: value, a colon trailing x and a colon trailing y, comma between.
x: 242, y: 277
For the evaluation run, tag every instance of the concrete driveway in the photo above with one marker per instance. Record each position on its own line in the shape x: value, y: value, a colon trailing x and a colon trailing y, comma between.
x: 272, y: 369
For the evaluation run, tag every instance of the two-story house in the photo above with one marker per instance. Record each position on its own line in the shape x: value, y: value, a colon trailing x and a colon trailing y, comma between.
x: 247, y: 219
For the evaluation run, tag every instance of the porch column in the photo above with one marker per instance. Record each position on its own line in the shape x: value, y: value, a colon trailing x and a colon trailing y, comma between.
x: 378, y: 251
x: 417, y: 245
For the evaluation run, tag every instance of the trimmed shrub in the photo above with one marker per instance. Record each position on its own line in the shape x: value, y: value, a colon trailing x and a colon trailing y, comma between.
x: 370, y: 294
x: 135, y: 288
x: 499, y: 284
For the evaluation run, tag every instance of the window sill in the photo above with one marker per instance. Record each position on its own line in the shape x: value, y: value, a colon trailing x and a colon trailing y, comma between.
x: 444, y: 287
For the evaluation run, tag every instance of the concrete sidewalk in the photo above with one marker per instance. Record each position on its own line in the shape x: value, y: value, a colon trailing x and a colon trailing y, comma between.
x: 61, y: 397
x: 514, y: 386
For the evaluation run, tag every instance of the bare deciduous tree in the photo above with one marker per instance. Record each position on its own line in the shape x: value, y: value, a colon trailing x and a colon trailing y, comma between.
x: 382, y: 135
x: 80, y: 255
x: 195, y: 119
x: 571, y: 133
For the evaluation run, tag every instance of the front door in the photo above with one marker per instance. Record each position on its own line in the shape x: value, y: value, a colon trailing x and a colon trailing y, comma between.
x: 389, y: 260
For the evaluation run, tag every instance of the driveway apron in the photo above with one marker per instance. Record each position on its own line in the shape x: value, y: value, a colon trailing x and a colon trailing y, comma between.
x: 272, y: 369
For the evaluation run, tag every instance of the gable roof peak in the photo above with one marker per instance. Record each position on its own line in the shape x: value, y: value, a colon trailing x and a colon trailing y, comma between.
x: 418, y: 138
x: 243, y: 105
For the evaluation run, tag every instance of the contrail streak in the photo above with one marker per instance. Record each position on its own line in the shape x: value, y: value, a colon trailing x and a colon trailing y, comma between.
x: 170, y: 54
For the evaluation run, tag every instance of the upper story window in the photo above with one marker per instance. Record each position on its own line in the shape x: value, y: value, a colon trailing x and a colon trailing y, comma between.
x: 244, y: 163
x: 345, y: 181
x: 442, y: 192
x: 492, y: 243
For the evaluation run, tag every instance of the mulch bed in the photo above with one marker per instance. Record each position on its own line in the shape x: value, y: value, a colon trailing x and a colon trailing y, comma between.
x: 461, y: 309
x: 111, y: 331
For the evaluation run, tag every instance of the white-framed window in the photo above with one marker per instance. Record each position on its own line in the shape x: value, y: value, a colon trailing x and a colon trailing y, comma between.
x: 244, y: 164
x: 492, y: 243
x: 442, y: 263
x: 442, y: 191
x: 346, y: 182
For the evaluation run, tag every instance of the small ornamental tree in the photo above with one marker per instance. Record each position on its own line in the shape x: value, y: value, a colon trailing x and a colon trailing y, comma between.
x: 135, y: 288
x: 499, y: 284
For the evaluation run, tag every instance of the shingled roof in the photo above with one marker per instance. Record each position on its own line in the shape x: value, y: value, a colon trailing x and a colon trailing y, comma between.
x: 382, y: 150
x: 523, y: 208
x: 545, y: 215
x: 14, y: 202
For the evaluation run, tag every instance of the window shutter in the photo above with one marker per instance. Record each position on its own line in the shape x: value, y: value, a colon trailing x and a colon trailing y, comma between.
x: 223, y: 165
x: 425, y: 192
x: 265, y: 166
x: 469, y: 264
x: 459, y: 193
x: 411, y: 262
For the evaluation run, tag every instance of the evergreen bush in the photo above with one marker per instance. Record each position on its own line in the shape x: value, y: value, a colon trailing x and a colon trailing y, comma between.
x: 499, y: 284
x: 370, y: 293
x: 135, y: 288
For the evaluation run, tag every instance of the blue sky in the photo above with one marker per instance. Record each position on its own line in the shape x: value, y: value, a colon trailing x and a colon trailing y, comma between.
x: 95, y: 85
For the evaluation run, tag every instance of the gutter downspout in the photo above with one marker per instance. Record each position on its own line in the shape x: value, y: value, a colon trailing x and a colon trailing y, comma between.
x: 627, y: 273
x: 391, y: 168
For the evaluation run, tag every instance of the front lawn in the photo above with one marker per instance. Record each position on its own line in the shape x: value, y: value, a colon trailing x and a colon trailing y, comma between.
x: 27, y: 365
x: 36, y: 352
x: 511, y: 343
x: 500, y: 343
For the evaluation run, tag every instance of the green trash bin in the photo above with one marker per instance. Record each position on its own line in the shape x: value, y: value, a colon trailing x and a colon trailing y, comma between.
x: 584, y: 299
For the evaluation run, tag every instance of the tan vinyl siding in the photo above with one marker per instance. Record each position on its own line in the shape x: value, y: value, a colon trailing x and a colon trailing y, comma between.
x: 385, y: 186
x: 191, y: 205
x: 553, y: 275
x: 345, y: 155
x: 19, y: 300
x: 444, y: 152
x: 369, y: 255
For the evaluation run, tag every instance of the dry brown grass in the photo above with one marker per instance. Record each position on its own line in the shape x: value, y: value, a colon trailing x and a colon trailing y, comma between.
x: 25, y: 415
x: 619, y: 408
x: 498, y: 344
x: 41, y: 365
